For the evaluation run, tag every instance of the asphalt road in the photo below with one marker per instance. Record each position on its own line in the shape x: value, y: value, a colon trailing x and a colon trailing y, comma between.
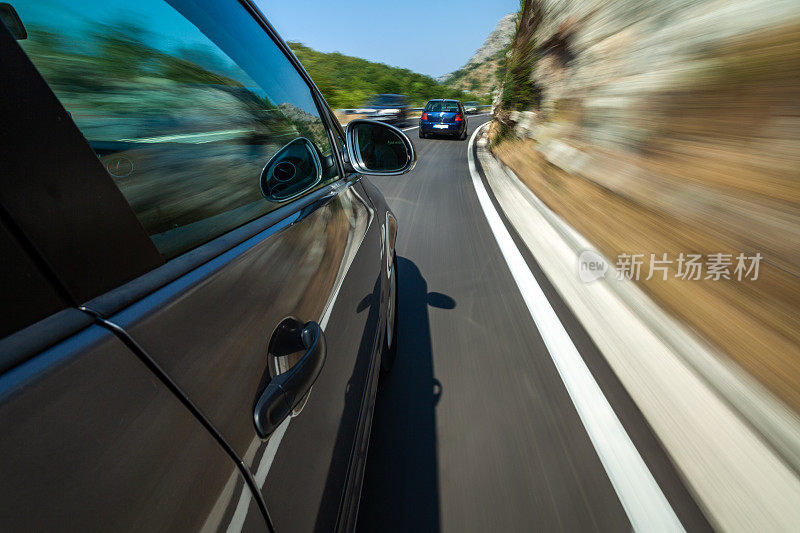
x: 474, y: 429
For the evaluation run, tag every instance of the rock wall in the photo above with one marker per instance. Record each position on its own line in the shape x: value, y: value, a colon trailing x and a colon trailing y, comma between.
x: 687, y: 107
x: 672, y: 126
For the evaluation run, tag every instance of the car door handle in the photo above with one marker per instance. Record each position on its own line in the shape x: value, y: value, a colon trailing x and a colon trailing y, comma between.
x: 285, y: 391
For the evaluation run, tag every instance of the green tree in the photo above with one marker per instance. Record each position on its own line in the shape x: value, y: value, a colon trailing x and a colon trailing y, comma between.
x: 347, y: 82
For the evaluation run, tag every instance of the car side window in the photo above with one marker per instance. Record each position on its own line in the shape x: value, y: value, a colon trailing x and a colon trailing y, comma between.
x: 185, y: 103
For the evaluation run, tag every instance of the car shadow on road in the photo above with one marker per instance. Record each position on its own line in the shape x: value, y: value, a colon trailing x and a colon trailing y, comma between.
x: 401, y: 484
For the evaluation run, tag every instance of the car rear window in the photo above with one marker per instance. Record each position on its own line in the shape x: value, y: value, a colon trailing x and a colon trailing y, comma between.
x: 439, y: 106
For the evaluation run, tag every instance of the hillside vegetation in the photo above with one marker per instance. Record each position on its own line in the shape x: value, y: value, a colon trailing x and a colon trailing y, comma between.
x: 347, y: 82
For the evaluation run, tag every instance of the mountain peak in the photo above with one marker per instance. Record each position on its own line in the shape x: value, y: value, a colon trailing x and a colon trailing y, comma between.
x: 478, y: 73
x: 497, y: 40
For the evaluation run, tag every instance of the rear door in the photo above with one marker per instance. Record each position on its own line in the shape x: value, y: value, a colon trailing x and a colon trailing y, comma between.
x: 92, y: 439
x: 185, y: 103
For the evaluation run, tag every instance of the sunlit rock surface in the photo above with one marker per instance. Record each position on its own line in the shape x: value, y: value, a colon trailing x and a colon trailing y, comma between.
x: 688, y: 112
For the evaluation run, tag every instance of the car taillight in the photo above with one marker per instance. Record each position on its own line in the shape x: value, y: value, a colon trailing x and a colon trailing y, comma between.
x: 459, y: 118
x: 424, y: 116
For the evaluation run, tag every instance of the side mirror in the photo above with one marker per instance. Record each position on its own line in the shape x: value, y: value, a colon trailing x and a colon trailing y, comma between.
x: 379, y: 149
x: 294, y: 169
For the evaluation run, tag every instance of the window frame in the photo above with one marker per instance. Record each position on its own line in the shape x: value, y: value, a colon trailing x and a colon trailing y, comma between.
x: 57, y: 192
x: 258, y: 229
x: 34, y: 295
x: 324, y: 110
x: 128, y: 287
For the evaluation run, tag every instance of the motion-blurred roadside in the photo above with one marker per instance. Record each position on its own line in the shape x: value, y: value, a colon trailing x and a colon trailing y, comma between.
x: 672, y: 127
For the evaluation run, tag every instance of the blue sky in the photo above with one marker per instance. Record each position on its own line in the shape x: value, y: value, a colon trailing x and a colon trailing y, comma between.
x: 428, y: 36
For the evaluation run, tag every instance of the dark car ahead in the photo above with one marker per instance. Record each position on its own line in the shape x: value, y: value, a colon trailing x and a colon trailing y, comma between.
x: 472, y: 108
x: 443, y: 117
x: 198, y: 284
x: 389, y: 108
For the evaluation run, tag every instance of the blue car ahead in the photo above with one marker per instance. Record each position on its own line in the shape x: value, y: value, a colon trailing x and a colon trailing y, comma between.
x: 443, y: 117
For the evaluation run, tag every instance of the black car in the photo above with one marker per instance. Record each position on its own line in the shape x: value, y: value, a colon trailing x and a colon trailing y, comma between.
x: 472, y: 108
x: 443, y: 117
x: 389, y: 108
x: 198, y: 284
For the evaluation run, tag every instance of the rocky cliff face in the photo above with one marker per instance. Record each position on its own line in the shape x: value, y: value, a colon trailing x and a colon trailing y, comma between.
x: 705, y: 91
x: 688, y: 111
x: 478, y: 75
x: 499, y: 38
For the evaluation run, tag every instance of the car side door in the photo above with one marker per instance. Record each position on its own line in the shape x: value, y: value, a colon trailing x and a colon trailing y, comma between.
x: 225, y: 152
x: 93, y: 441
x: 92, y: 438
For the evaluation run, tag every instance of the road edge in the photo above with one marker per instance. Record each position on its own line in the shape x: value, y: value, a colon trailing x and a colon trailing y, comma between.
x: 641, y: 496
x: 738, y: 479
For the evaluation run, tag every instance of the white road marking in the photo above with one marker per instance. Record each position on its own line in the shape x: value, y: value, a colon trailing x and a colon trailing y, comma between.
x: 641, y: 497
x: 246, y: 497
